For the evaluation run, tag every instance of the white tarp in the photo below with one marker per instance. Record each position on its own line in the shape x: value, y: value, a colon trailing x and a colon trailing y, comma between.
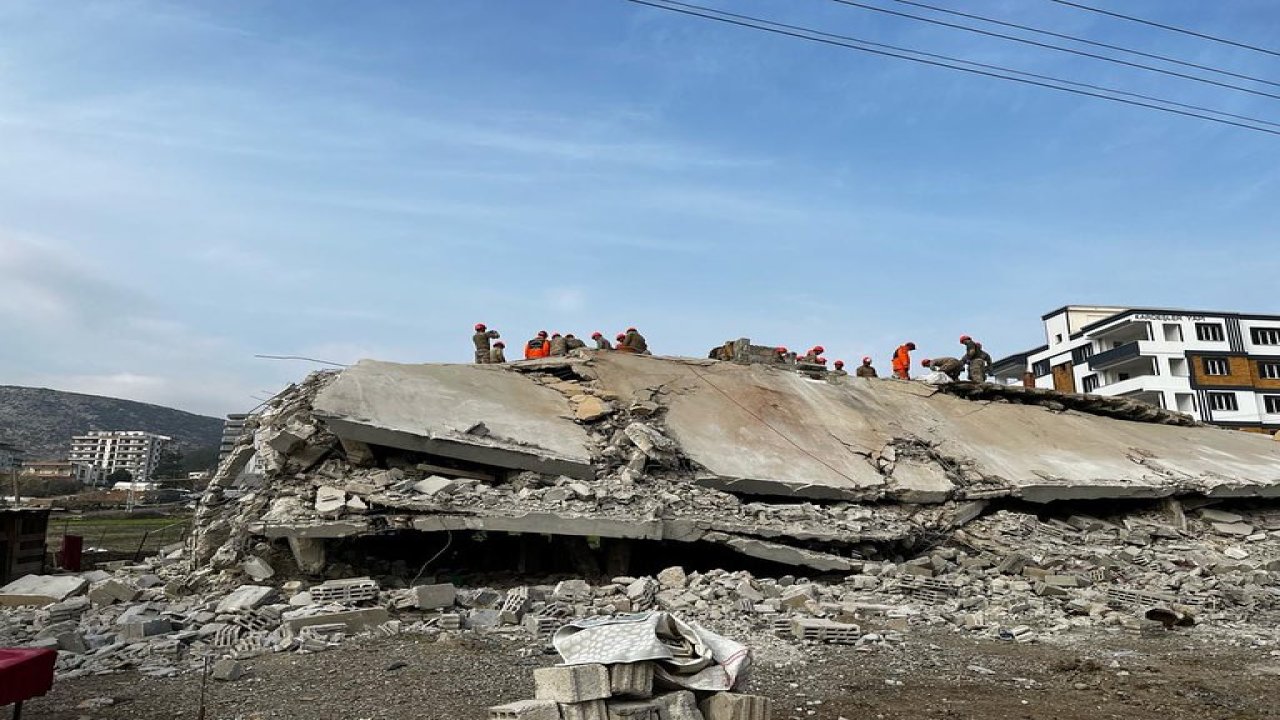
x: 686, y: 656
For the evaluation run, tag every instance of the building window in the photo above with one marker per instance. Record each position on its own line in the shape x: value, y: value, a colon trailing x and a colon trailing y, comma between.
x: 1216, y: 366
x: 1265, y: 336
x: 1269, y: 370
x: 1057, y: 339
x: 1223, y: 401
x: 1040, y: 368
x: 1082, y: 353
x: 1091, y: 383
x: 1271, y: 404
x: 1210, y: 332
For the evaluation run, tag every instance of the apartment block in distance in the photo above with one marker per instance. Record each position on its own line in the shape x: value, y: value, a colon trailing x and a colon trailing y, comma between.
x: 132, y: 450
x: 1219, y: 367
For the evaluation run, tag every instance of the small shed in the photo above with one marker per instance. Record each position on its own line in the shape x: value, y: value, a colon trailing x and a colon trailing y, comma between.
x: 22, y: 542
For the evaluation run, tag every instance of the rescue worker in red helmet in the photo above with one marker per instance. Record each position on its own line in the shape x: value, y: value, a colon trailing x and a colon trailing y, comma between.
x: 865, y: 369
x: 602, y: 343
x: 538, y: 347
x: 634, y: 340
x: 481, y: 339
x: 814, y: 353
x: 571, y: 342
x: 498, y: 354
x: 558, y: 346
x: 902, y: 361
x: 622, y: 345
x: 948, y: 366
x: 839, y: 369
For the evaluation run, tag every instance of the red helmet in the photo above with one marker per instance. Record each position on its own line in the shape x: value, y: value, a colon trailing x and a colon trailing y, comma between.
x: 621, y: 336
x: 819, y: 349
x: 479, y: 327
x: 822, y: 361
x: 597, y: 334
x: 866, y: 360
x: 555, y: 334
x: 542, y: 333
x: 631, y: 329
x: 781, y: 350
x: 839, y: 363
x: 965, y: 338
x: 926, y: 362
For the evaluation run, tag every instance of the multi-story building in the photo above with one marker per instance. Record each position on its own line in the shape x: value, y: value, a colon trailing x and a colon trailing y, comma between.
x: 1220, y: 367
x: 10, y: 457
x: 232, y: 429
x: 55, y: 470
x: 132, y: 450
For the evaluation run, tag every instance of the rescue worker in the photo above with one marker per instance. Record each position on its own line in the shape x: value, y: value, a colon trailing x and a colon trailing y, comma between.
x: 902, y: 361
x: 622, y: 345
x: 602, y: 343
x: 571, y: 342
x: 948, y: 366
x: 636, y: 341
x: 865, y: 369
x: 839, y: 371
x: 481, y: 339
x: 559, y: 348
x: 978, y: 364
x: 781, y: 355
x: 813, y: 354
x: 498, y: 355
x: 538, y: 347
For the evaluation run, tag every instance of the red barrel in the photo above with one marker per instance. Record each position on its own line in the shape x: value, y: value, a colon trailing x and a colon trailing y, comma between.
x: 72, y: 552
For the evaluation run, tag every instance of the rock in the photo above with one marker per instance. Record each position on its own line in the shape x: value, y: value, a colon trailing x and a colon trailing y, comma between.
x: 673, y: 578
x: 1235, y: 529
x: 112, y: 591
x: 1220, y: 516
x: 227, y: 670
x: 245, y: 598
x: 257, y: 568
x: 589, y: 408
x: 330, y: 501
x: 434, y: 486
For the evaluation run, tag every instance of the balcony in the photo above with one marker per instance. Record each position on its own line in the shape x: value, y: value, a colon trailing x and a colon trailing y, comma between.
x: 1114, y: 356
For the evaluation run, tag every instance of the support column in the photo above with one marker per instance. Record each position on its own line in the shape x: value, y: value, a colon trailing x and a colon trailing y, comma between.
x: 309, y: 554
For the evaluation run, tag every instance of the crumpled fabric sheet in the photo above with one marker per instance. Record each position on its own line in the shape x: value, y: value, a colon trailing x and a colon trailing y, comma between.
x: 686, y: 656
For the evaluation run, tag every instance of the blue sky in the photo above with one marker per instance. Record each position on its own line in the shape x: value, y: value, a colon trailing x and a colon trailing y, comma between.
x: 185, y: 185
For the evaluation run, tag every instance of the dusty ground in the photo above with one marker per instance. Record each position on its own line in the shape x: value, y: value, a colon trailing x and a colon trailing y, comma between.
x: 1187, y: 675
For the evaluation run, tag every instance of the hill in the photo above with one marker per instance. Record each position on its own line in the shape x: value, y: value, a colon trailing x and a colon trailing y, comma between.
x: 42, y: 421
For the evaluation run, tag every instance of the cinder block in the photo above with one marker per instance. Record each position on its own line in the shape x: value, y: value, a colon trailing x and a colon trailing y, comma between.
x: 435, y: 597
x: 591, y: 710
x: 526, y: 710
x: 631, y: 680
x: 682, y: 705
x: 145, y: 629
x: 346, y: 590
x: 572, y: 683
x: 734, y: 706
x: 631, y: 710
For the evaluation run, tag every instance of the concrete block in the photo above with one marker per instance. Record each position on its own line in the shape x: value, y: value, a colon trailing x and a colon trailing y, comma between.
x: 590, y: 710
x: 227, y: 670
x: 1220, y: 516
x: 631, y: 710
x: 526, y: 710
x: 434, y: 597
x: 435, y: 485
x: 1236, y: 529
x: 346, y: 590
x: 631, y: 680
x: 41, y: 589
x: 330, y: 501
x: 735, y: 706
x: 245, y: 598
x: 572, y: 683
x: 72, y: 642
x: 682, y: 705
x: 142, y: 629
x: 354, y: 620
x: 258, y: 569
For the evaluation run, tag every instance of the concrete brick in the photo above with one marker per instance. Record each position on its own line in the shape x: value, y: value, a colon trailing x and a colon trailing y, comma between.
x: 572, y: 683
x: 354, y: 620
x: 112, y: 591
x: 590, y: 710
x: 145, y: 629
x: 227, y: 670
x: 735, y: 706
x: 631, y: 680
x: 245, y: 598
x: 347, y: 590
x: 526, y: 710
x: 434, y: 597
x: 631, y: 710
x: 682, y: 705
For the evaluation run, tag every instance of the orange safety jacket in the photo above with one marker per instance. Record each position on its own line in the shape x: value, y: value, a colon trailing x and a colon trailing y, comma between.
x: 902, y: 360
x: 537, y: 348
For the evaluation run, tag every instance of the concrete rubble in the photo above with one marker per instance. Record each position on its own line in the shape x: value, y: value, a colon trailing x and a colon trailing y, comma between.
x: 846, y: 511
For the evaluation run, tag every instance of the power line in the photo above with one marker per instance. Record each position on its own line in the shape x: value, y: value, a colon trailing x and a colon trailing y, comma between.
x: 299, y: 357
x: 1162, y: 26
x: 1087, y: 41
x: 836, y: 40
x: 1059, y: 48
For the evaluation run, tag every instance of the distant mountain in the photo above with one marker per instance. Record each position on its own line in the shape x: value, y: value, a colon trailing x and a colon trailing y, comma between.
x: 42, y: 421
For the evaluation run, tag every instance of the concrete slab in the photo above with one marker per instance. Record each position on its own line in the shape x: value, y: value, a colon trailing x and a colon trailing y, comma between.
x: 41, y: 589
x: 486, y: 414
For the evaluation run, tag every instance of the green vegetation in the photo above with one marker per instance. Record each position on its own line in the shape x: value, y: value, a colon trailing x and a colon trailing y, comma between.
x: 120, y: 534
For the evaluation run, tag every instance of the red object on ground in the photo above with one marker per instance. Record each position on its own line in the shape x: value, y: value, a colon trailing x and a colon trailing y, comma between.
x: 72, y: 552
x: 25, y: 673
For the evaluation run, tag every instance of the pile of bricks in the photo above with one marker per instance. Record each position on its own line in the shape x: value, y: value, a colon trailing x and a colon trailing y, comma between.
x: 623, y: 692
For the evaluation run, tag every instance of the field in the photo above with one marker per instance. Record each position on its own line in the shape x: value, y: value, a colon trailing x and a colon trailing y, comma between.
x: 122, y: 535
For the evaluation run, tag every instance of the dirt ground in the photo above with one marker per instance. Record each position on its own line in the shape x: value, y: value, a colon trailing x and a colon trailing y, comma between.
x: 1185, y: 675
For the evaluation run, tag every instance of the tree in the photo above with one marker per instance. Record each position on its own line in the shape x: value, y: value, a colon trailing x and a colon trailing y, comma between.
x: 119, y: 475
x: 168, y: 464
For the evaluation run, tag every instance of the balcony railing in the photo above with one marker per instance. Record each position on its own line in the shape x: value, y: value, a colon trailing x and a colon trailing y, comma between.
x: 1114, y: 356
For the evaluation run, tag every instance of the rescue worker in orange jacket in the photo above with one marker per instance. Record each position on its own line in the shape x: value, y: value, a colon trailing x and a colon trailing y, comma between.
x: 948, y: 366
x: 481, y: 339
x: 498, y: 353
x: 902, y: 361
x: 865, y: 369
x: 558, y: 346
x: 538, y: 347
x: 602, y: 343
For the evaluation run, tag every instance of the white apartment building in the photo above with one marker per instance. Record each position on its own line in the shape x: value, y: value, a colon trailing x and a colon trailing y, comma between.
x: 1220, y: 367
x: 132, y: 450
